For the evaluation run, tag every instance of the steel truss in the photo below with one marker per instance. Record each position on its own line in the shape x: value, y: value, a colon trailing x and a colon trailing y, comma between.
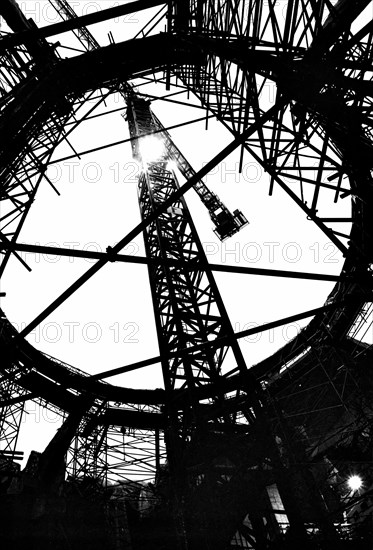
x: 305, y: 151
x: 295, y: 144
x: 315, y: 143
x: 113, y: 453
x: 22, y: 172
x: 189, y: 309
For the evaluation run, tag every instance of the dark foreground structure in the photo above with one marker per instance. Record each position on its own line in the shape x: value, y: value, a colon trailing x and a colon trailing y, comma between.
x: 276, y: 455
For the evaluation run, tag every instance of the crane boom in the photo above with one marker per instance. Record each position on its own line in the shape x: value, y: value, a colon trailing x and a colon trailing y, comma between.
x: 226, y: 223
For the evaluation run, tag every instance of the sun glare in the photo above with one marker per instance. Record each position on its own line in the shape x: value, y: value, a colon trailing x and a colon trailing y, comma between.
x: 354, y: 482
x: 151, y: 148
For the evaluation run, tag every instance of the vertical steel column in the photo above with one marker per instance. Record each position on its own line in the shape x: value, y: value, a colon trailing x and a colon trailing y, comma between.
x: 12, y: 403
x: 11, y: 411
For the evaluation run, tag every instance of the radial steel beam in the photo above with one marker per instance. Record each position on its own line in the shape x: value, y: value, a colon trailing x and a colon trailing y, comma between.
x: 72, y: 24
x: 127, y: 258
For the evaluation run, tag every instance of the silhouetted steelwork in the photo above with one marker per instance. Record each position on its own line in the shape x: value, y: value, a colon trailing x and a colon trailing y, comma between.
x: 296, y: 93
x: 188, y: 308
x: 226, y: 222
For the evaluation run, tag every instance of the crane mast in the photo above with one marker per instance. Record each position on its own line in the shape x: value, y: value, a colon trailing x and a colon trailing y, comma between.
x: 189, y: 313
x: 188, y: 308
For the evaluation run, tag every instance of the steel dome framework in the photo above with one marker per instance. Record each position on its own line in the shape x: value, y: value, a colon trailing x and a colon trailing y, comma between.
x: 299, y: 419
